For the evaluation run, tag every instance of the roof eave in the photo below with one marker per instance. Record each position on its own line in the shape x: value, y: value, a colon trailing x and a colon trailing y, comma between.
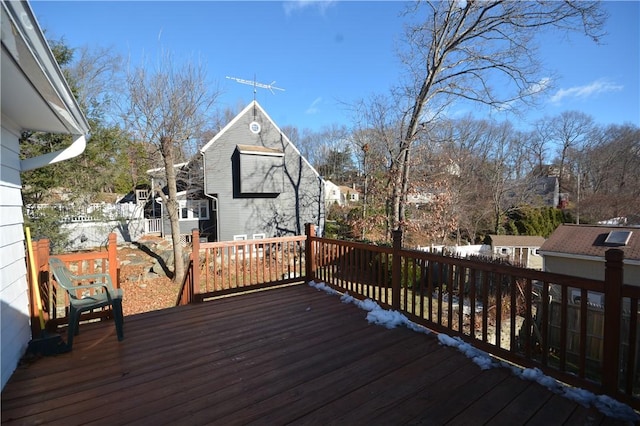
x: 24, y: 42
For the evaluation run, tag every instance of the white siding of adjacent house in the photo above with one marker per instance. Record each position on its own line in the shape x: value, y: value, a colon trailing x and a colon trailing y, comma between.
x: 332, y: 193
x: 14, y: 312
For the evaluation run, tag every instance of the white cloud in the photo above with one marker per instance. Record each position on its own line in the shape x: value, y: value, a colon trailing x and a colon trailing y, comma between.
x: 297, y: 5
x: 313, y: 108
x: 538, y: 87
x: 595, y: 88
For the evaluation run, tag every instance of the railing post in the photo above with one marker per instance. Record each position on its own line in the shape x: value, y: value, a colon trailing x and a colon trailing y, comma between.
x: 195, y: 263
x: 309, y: 261
x: 396, y: 265
x: 33, y: 304
x: 42, y: 252
x: 613, y: 275
x: 112, y: 255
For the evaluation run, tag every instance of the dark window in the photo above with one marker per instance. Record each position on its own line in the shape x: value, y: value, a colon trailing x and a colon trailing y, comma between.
x: 261, y: 170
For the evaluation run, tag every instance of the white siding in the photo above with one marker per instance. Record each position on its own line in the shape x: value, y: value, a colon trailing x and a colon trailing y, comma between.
x: 14, y: 312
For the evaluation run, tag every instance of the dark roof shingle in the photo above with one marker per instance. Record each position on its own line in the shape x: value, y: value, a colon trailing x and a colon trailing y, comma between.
x: 588, y: 240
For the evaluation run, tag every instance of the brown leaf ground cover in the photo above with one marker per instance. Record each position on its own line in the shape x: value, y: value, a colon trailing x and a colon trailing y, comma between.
x: 144, y: 290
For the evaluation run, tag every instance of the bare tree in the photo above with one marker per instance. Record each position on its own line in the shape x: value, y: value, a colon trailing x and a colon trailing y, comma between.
x: 169, y: 107
x: 537, y: 146
x: 466, y: 50
x: 377, y: 127
x: 98, y: 74
x: 611, y: 176
x: 570, y: 131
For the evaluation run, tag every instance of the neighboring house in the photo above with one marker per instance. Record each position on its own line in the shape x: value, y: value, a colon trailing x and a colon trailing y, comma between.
x: 518, y: 249
x: 248, y: 182
x: 421, y: 198
x: 340, y: 194
x: 349, y: 194
x: 35, y: 97
x: 195, y: 210
x: 545, y: 192
x: 579, y: 250
x: 332, y: 193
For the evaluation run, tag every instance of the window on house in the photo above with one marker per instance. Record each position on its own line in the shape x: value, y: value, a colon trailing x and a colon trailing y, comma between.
x: 239, y: 238
x: 259, y: 247
x: 142, y: 194
x: 194, y: 209
x: 618, y: 238
x: 261, y: 170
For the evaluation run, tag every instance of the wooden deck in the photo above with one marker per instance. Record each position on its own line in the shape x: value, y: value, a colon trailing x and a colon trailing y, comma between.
x: 289, y: 355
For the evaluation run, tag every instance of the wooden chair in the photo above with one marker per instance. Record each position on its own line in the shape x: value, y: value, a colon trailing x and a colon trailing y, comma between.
x: 98, y: 293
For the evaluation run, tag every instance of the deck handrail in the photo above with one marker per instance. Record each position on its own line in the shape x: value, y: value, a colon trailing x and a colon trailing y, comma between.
x: 581, y: 331
x: 225, y: 267
x: 444, y: 293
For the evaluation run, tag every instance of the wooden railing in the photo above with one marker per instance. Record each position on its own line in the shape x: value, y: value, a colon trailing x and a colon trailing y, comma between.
x: 528, y: 317
x: 581, y: 331
x: 220, y: 268
x: 54, y: 301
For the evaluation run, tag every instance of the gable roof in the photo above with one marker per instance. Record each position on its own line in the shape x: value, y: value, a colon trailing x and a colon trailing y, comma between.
x: 589, y: 240
x: 255, y: 105
x: 348, y: 190
x: 516, y: 240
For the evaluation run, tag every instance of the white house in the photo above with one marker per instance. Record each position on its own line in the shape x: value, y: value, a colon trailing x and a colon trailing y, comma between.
x: 349, y: 194
x: 331, y: 193
x: 519, y: 249
x: 35, y: 97
x: 339, y: 194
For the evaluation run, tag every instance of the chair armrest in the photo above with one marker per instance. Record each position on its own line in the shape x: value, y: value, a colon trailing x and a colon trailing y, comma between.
x: 111, y: 293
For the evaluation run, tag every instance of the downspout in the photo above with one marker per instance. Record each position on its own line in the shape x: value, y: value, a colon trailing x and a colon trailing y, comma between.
x: 73, y: 150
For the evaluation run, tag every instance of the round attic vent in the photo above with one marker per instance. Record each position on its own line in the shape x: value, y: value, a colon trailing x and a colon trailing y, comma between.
x: 254, y: 126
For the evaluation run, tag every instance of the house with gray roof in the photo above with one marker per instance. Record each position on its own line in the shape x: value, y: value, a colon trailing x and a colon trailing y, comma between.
x: 579, y: 250
x: 249, y: 181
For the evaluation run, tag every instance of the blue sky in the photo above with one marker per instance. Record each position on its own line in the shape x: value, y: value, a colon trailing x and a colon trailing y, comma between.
x: 327, y: 55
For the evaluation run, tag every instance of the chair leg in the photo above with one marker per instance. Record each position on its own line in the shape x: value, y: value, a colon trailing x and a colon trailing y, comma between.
x: 117, y: 313
x: 74, y: 319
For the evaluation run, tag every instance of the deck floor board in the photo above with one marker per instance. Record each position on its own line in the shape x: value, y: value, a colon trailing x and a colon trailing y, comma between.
x: 292, y: 355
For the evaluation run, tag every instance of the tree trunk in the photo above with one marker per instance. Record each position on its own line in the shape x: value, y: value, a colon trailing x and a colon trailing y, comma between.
x: 173, y: 209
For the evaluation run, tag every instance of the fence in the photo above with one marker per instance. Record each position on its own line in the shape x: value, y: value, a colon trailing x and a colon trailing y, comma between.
x: 91, y: 212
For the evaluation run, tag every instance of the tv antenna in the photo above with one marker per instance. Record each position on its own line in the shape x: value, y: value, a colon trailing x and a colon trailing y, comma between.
x: 255, y: 85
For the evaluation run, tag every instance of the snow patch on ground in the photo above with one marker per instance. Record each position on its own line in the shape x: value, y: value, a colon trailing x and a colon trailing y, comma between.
x: 391, y: 319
